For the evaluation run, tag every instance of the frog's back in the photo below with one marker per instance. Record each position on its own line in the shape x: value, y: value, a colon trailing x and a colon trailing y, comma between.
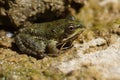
x: 48, y: 29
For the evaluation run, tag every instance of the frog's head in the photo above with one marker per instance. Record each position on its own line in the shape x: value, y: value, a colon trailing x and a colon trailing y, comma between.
x: 71, y: 30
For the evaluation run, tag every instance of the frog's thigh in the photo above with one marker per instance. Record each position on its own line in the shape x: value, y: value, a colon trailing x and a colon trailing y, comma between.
x: 30, y: 45
x: 51, y: 48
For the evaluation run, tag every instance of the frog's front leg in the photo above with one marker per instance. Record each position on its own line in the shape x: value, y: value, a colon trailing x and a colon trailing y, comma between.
x: 30, y: 45
x: 51, y: 48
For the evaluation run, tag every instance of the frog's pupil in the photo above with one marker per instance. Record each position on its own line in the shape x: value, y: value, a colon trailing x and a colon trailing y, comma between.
x: 71, y: 27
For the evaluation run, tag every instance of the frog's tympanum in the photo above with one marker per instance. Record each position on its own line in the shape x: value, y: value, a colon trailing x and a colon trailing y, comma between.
x: 47, y: 38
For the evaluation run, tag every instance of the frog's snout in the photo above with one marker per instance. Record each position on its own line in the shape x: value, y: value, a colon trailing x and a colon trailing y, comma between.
x: 79, y: 26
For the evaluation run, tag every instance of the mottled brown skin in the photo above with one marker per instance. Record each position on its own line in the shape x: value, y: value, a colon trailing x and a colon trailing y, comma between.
x: 43, y: 39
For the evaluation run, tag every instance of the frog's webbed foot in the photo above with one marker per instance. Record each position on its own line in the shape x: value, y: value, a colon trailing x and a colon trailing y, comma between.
x: 65, y: 45
x: 30, y: 45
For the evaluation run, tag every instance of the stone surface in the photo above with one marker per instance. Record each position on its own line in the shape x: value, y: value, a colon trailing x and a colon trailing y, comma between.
x: 22, y: 12
x: 105, y: 61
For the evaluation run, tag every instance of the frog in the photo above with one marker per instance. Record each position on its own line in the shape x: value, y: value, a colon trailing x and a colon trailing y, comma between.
x: 48, y: 38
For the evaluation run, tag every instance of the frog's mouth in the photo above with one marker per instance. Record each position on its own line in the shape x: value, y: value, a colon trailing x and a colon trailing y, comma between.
x: 67, y: 42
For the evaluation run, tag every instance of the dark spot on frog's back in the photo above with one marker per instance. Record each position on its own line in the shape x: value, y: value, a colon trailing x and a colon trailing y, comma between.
x: 38, y: 38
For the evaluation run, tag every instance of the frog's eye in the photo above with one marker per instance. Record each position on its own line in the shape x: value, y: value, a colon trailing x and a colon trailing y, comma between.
x: 71, y: 27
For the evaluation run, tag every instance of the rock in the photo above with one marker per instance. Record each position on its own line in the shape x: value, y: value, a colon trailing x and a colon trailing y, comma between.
x: 104, y: 63
x: 23, y: 12
x: 5, y: 39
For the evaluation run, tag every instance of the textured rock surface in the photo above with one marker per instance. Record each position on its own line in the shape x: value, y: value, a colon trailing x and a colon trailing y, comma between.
x: 95, y: 55
x: 105, y: 61
x: 20, y: 12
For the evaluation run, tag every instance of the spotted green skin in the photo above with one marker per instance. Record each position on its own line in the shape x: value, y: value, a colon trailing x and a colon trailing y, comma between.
x: 42, y: 39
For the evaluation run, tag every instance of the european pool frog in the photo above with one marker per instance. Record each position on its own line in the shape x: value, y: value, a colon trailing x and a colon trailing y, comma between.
x: 47, y: 38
